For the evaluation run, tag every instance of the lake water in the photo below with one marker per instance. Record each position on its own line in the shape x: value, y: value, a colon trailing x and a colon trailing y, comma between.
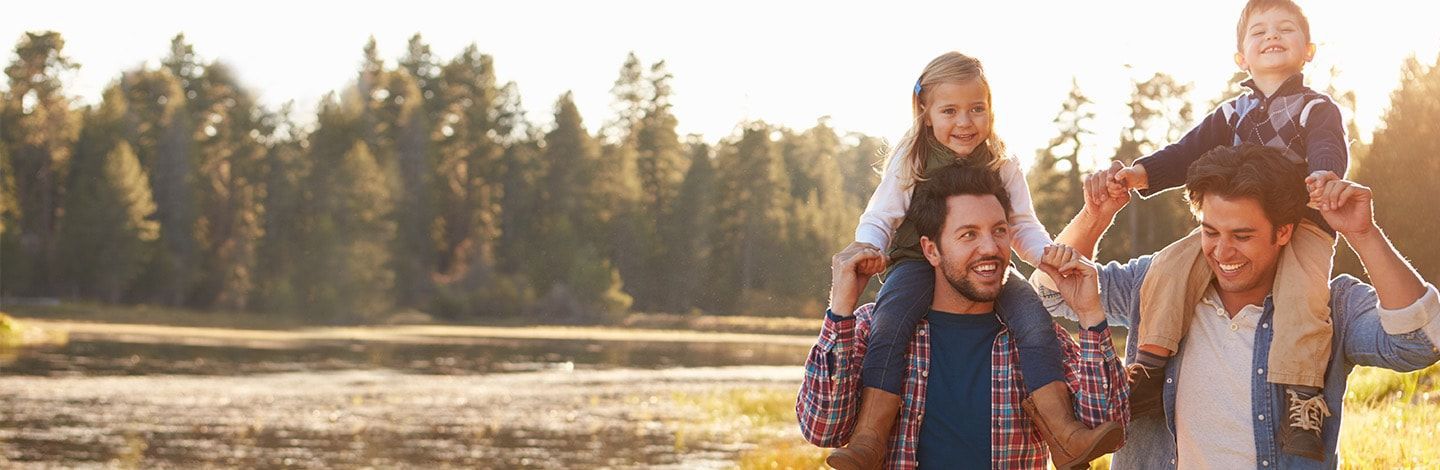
x: 111, y: 401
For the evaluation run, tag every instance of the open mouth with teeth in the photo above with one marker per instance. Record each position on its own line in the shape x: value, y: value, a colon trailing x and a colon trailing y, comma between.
x: 986, y: 269
x: 1272, y: 49
x: 1229, y: 269
x: 964, y: 137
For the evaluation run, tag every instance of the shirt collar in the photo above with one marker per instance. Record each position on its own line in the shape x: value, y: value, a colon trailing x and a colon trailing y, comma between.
x: 1291, y: 86
x: 1212, y: 298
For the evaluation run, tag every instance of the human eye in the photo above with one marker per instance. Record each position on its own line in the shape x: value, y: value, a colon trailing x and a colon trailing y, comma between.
x: 967, y: 235
x: 977, y: 109
x: 1244, y: 238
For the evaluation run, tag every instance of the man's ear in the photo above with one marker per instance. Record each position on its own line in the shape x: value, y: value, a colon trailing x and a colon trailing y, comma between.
x: 1283, y: 234
x: 931, y: 250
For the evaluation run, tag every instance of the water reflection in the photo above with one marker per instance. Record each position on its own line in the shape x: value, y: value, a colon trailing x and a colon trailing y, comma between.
x: 98, y: 357
x: 477, y: 403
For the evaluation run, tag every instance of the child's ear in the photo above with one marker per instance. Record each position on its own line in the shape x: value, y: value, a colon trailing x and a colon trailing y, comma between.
x: 1310, y: 52
x: 1240, y: 62
x: 931, y: 250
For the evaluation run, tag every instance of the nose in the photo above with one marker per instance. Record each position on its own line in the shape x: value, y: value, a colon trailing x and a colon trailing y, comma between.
x: 994, y: 247
x: 1223, y: 249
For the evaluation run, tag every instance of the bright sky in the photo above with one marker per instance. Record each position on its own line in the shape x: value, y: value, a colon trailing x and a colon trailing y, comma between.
x: 786, y: 62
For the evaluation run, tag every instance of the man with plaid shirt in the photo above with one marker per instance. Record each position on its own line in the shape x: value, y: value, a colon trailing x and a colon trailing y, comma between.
x: 980, y: 413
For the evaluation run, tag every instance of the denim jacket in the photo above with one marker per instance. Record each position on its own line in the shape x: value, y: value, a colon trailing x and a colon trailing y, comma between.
x: 1364, y: 334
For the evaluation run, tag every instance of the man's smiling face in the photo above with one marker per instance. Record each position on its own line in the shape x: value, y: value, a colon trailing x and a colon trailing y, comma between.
x: 973, y: 252
x: 1241, y: 245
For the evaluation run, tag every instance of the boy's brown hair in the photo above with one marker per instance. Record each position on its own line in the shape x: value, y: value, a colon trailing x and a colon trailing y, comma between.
x: 1254, y: 7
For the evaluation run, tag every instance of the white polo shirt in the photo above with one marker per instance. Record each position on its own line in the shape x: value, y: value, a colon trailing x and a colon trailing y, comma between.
x: 1213, y: 422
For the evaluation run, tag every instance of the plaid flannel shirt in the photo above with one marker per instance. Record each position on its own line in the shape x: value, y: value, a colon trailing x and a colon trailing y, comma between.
x: 829, y: 399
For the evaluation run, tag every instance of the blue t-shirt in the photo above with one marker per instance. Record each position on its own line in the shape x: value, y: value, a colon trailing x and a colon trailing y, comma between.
x: 955, y: 432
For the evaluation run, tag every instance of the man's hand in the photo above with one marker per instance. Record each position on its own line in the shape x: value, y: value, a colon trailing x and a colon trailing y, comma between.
x: 850, y: 271
x: 1104, y: 195
x: 1346, y: 205
x: 1077, y: 280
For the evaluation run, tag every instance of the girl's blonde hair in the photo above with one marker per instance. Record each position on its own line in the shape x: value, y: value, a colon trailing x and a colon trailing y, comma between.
x: 918, y: 143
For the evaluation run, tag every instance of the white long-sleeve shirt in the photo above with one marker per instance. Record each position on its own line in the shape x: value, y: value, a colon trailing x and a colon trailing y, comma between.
x: 886, y: 210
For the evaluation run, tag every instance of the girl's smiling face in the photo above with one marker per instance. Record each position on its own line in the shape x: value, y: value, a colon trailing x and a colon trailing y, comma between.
x: 958, y: 114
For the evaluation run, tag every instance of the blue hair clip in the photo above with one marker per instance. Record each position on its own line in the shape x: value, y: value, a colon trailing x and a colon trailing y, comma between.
x: 917, y: 87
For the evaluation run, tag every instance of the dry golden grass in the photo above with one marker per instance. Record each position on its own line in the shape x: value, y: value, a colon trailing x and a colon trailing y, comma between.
x: 1392, y: 420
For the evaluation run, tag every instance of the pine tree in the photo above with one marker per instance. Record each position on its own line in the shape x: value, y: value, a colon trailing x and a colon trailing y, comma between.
x: 346, y: 275
x: 279, y: 254
x: 859, y: 164
x: 229, y: 161
x: 661, y: 165
x: 425, y: 68
x: 1160, y: 113
x: 750, y: 217
x: 160, y: 131
x: 579, y: 280
x: 39, y: 135
x: 9, y: 223
x: 414, y: 217
x: 468, y: 167
x: 1401, y: 164
x: 688, y: 230
x: 523, y: 169
x: 108, y: 208
x: 1056, y: 186
x: 819, y: 221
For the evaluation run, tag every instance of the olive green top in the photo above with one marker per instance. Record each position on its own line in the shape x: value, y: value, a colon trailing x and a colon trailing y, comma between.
x: 905, y: 245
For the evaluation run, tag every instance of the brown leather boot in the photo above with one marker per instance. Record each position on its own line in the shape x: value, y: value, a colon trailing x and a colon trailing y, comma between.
x: 870, y: 441
x: 1147, y: 389
x: 1071, y: 443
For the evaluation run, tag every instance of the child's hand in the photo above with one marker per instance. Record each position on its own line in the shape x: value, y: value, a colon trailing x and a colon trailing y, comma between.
x: 869, y: 267
x: 1113, y: 186
x: 1103, y: 196
x: 1315, y: 186
x: 1132, y: 177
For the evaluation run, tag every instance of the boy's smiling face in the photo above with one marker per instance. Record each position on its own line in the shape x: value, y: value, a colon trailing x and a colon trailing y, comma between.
x: 1274, y: 44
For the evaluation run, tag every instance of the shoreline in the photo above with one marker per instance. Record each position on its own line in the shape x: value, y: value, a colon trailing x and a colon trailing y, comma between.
x: 424, y: 334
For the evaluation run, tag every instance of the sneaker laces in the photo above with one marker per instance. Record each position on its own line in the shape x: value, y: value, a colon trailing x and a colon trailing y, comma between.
x: 1133, y: 370
x: 1307, y: 413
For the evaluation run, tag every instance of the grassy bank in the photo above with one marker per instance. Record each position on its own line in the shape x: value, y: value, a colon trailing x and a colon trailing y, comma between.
x: 14, y: 333
x: 1392, y: 420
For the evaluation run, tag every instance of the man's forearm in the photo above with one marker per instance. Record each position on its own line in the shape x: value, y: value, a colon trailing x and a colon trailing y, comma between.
x: 1083, y: 233
x: 1396, y: 282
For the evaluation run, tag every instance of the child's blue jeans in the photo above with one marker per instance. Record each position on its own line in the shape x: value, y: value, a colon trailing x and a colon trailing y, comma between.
x: 905, y: 298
